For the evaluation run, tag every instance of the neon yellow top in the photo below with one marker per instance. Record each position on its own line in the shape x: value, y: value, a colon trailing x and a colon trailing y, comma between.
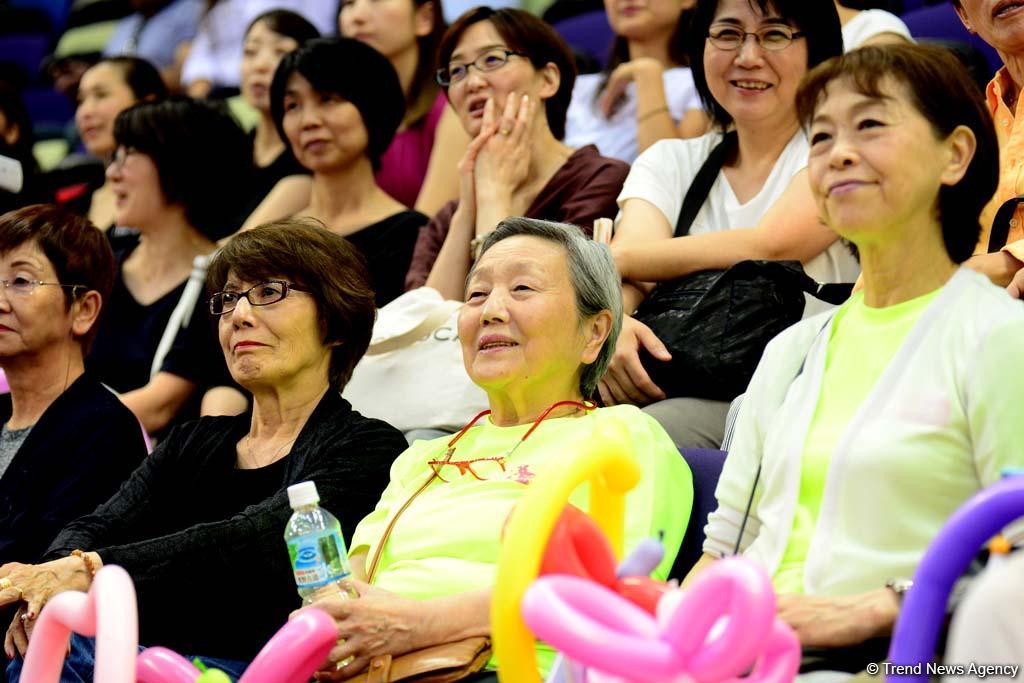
x: 447, y: 541
x: 862, y: 343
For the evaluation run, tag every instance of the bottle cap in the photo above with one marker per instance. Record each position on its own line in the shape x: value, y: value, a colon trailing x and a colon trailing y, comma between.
x: 302, y: 494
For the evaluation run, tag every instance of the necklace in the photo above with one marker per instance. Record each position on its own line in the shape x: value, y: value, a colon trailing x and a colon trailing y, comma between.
x: 274, y: 458
x: 585, y: 405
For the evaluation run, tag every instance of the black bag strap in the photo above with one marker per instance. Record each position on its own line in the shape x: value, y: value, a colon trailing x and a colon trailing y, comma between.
x: 1001, y: 224
x: 700, y: 188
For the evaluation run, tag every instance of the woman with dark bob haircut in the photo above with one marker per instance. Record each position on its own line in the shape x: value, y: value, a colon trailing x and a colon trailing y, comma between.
x: 294, y: 313
x: 338, y: 102
x: 509, y: 77
x: 178, y: 174
x: 748, y: 57
x: 871, y: 424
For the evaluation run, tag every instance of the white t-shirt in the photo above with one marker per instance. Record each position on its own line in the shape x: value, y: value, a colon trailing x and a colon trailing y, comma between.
x: 616, y: 137
x: 868, y: 24
x: 216, y: 53
x: 663, y: 173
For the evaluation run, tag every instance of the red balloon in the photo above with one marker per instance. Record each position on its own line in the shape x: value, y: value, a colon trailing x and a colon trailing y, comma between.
x: 642, y: 591
x: 578, y: 547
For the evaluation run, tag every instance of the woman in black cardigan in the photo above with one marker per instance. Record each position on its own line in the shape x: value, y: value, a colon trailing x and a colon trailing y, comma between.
x: 200, y: 525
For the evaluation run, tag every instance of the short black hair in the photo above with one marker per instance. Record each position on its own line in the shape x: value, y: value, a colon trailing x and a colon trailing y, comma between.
x: 80, y: 254
x: 942, y: 90
x: 286, y: 23
x: 354, y: 71
x: 141, y: 77
x: 530, y: 35
x: 816, y: 19
x: 202, y: 156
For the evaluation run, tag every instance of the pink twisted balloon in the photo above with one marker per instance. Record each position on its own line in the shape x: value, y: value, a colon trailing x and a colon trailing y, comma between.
x: 108, y: 611
x: 712, y: 632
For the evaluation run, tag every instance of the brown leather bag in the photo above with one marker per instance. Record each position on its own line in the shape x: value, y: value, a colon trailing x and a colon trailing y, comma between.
x: 437, y: 664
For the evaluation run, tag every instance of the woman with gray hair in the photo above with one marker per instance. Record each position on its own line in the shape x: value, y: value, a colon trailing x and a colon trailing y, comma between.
x: 433, y: 575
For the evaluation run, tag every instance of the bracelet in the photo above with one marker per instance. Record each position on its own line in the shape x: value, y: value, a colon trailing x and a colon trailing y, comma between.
x: 89, y: 567
x: 651, y: 113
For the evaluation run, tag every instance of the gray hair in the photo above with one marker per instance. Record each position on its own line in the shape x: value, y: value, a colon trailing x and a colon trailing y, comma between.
x: 595, y: 280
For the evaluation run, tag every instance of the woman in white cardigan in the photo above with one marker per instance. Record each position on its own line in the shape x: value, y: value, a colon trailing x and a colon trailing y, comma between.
x: 864, y: 428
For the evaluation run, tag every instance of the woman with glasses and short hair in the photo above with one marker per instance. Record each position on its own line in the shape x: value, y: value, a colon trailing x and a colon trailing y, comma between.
x: 747, y: 62
x: 509, y: 77
x: 208, y: 508
x: 66, y: 443
x: 538, y: 327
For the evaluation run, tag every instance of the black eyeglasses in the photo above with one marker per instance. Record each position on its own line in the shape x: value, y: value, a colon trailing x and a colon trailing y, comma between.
x: 487, y: 61
x: 771, y: 38
x: 263, y: 294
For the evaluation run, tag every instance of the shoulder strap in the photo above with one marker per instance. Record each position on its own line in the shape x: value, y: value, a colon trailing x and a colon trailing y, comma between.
x: 182, y: 313
x: 700, y: 188
x: 371, y: 573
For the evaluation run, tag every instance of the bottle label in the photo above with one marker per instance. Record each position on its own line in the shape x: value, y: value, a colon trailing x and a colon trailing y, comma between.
x: 318, y: 559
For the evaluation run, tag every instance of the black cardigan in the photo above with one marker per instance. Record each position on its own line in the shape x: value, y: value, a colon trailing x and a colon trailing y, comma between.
x: 216, y: 585
x: 81, y: 450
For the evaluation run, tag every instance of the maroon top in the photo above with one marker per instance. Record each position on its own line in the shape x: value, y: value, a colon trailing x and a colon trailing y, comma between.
x: 403, y: 167
x: 584, y: 188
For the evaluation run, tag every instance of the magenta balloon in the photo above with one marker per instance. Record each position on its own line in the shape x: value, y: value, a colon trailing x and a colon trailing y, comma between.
x: 107, y: 611
x: 562, y: 610
x: 160, y: 665
x: 296, y: 651
x: 738, y: 590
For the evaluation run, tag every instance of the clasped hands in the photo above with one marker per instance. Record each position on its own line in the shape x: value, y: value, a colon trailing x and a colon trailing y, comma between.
x: 33, y: 585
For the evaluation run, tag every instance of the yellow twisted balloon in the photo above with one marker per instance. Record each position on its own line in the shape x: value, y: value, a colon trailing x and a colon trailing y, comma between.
x: 605, y: 462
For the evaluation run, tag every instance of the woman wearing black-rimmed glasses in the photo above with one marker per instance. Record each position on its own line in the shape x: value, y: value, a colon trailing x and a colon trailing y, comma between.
x: 198, y: 526
x: 509, y: 78
x: 747, y: 60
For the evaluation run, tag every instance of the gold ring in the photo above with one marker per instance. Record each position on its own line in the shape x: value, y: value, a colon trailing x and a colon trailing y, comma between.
x: 505, y: 131
x: 5, y: 583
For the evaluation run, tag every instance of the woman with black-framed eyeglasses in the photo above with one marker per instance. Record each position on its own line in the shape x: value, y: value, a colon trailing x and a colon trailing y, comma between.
x: 199, y: 525
x: 747, y: 61
x: 509, y: 78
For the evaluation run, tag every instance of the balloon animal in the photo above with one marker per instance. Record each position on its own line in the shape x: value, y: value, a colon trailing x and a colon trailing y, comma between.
x: 108, y: 612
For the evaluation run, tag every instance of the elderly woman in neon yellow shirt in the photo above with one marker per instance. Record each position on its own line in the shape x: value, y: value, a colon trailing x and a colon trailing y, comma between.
x: 865, y: 428
x: 543, y: 308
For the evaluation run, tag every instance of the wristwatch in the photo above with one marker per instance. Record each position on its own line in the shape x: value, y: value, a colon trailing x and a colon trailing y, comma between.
x: 899, y: 587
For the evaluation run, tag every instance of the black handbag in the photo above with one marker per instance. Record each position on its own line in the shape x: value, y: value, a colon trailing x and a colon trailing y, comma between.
x: 716, y: 323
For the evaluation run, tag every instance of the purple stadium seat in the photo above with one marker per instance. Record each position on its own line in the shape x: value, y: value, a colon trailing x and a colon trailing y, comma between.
x: 589, y: 33
x: 25, y: 50
x: 941, y: 22
x: 706, y: 466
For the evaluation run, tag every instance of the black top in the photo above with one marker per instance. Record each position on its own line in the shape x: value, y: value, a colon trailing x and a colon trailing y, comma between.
x: 130, y: 332
x: 264, y: 178
x: 221, y: 586
x: 81, y: 450
x: 387, y: 246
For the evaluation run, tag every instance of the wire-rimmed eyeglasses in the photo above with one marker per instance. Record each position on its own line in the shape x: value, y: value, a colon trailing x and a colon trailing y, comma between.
x: 262, y: 294
x: 24, y: 287
x: 771, y: 38
x: 490, y: 60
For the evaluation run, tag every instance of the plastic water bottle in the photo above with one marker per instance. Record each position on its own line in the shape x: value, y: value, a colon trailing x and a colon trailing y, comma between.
x: 315, y: 545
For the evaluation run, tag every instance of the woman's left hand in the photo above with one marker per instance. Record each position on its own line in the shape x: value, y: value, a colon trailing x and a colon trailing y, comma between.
x: 378, y: 622
x: 503, y: 162
x: 622, y: 76
x: 1016, y: 288
x: 839, y: 621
